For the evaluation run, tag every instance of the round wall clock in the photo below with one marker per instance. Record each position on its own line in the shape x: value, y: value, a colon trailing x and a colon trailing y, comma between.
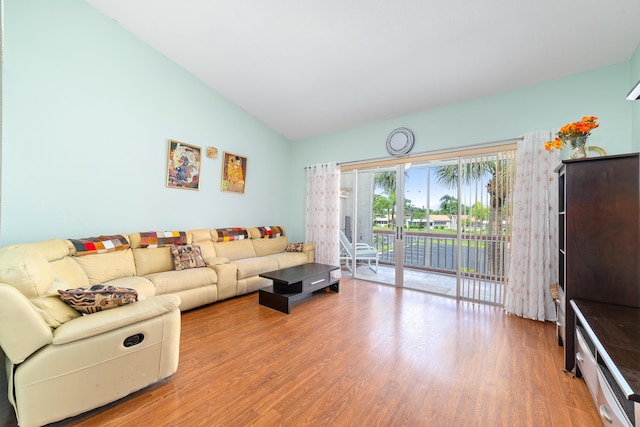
x: 400, y: 142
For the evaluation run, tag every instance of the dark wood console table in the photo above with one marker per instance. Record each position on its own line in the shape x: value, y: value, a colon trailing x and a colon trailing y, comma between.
x: 608, y: 358
x: 294, y: 283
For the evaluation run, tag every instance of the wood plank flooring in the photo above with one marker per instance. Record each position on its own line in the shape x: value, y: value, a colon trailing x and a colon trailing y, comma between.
x: 371, y: 355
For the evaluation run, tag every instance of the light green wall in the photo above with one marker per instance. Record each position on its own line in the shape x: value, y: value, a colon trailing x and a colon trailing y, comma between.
x: 635, y: 78
x: 505, y: 115
x: 88, y: 110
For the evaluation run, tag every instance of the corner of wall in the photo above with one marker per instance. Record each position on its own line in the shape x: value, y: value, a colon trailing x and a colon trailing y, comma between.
x: 1, y: 67
x: 635, y: 109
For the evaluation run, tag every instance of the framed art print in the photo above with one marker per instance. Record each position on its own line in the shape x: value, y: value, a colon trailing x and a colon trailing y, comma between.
x: 234, y: 173
x: 183, y: 166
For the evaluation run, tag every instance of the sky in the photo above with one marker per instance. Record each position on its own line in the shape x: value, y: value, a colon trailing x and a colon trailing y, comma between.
x: 417, y: 189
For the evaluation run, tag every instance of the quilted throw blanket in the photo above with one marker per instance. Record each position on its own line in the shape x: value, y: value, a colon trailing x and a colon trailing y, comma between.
x: 271, y: 232
x: 160, y: 239
x: 229, y: 234
x: 99, y: 245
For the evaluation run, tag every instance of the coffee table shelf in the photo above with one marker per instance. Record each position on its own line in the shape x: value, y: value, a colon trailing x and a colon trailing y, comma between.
x: 295, y: 283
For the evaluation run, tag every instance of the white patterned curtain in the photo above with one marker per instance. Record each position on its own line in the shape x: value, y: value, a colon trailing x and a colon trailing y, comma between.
x: 323, y: 212
x: 533, y: 265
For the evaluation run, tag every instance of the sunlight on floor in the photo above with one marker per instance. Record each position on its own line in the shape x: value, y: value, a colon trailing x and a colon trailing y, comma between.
x: 435, y: 283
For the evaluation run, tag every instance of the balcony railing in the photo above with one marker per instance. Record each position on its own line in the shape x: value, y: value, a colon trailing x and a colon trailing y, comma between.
x: 481, y: 256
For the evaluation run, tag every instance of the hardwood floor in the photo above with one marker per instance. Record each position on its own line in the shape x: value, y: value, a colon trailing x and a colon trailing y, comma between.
x: 371, y: 355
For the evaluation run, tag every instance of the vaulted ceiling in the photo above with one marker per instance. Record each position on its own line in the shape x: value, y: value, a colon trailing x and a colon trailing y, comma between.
x: 307, y: 68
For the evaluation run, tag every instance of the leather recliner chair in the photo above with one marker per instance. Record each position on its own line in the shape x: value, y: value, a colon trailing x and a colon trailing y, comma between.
x: 61, y: 363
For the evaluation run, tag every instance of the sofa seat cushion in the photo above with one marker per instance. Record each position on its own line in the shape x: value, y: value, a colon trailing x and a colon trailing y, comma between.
x: 253, y: 266
x: 289, y: 259
x: 168, y: 282
x: 142, y: 285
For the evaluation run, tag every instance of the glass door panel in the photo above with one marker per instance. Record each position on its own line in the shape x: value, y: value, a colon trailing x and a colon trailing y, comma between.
x: 430, y: 229
x: 368, y: 221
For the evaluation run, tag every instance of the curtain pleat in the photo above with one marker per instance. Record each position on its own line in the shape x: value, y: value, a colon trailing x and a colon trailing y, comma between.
x: 534, y: 250
x: 323, y: 212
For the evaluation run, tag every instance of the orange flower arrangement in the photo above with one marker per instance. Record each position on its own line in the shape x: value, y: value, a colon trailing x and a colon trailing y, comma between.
x: 575, y: 133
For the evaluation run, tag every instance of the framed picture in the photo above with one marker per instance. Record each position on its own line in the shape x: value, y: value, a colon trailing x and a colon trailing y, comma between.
x: 183, y: 166
x: 234, y: 173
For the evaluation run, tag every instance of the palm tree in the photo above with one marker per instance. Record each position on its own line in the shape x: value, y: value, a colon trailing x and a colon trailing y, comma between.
x: 501, y: 172
x: 386, y: 181
x: 448, y: 204
x: 382, y: 205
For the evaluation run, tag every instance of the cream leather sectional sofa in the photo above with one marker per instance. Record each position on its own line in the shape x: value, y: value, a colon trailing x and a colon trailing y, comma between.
x: 61, y: 363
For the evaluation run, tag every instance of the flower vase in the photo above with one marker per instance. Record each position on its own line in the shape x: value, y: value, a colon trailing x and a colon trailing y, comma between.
x: 581, y: 150
x: 579, y: 147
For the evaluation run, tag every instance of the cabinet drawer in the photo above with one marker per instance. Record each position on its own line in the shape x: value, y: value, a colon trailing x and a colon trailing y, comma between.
x: 608, y: 407
x: 316, y: 282
x: 586, y: 362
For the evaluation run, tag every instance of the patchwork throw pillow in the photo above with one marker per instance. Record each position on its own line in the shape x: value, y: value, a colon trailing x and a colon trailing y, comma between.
x: 96, y: 298
x: 294, y: 247
x: 188, y: 256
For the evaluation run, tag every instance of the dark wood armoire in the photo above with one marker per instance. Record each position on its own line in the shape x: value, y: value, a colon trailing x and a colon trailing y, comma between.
x: 599, y: 241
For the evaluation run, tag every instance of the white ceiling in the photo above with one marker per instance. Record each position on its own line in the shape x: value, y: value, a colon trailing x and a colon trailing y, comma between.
x: 308, y: 68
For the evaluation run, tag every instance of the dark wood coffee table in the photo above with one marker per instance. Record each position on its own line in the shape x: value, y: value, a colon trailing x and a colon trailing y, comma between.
x: 294, y: 283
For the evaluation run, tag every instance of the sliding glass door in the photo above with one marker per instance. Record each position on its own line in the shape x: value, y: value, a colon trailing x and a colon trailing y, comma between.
x: 439, y: 224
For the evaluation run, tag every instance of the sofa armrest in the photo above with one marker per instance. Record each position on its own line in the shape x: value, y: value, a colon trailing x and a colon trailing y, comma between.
x: 227, y: 280
x: 219, y: 260
x: 310, y: 250
x: 103, y: 321
x: 22, y: 329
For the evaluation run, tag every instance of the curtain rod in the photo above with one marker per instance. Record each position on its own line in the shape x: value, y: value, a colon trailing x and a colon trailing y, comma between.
x: 423, y: 153
x: 321, y: 165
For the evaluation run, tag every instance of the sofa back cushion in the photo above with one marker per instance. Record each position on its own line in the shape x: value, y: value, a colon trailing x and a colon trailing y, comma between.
x: 69, y: 271
x: 270, y: 246
x: 203, y: 237
x: 52, y: 249
x: 26, y: 270
x: 153, y: 260
x: 268, y: 240
x: 101, y: 268
x: 236, y: 249
x: 200, y: 234
x: 30, y: 273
